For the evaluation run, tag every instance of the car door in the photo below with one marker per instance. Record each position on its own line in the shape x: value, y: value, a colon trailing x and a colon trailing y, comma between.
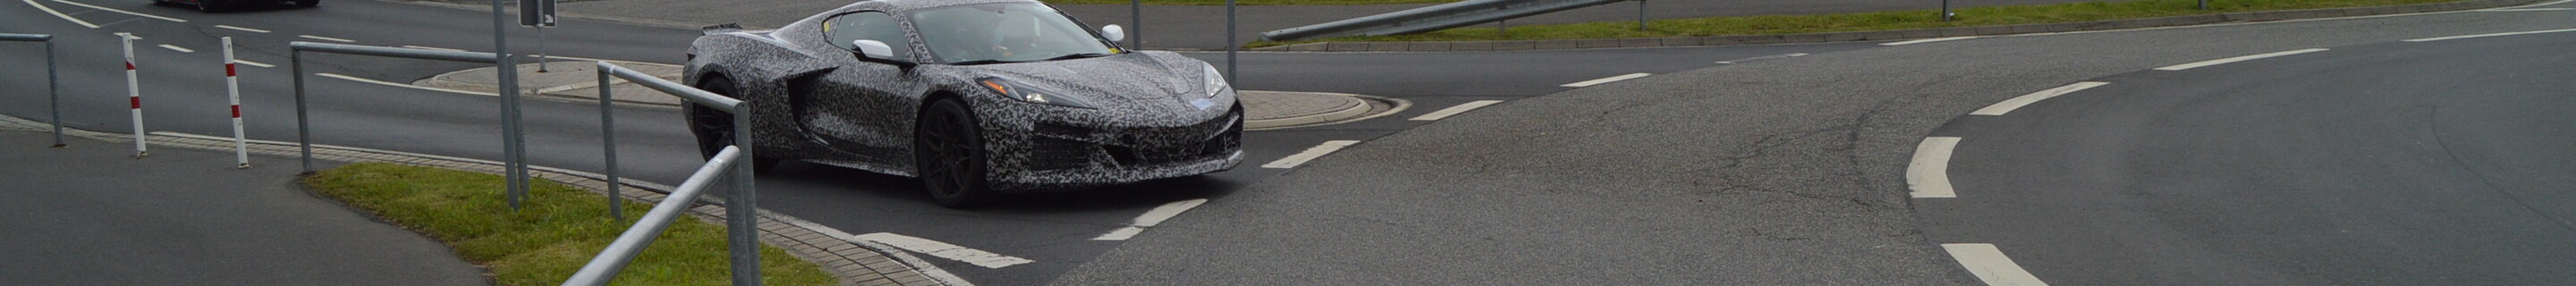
x: 865, y: 107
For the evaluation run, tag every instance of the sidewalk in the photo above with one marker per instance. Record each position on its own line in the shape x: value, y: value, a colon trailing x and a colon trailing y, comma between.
x: 92, y: 214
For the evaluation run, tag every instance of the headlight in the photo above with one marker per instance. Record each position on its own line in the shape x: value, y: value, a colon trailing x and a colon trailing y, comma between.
x: 1023, y: 92
x: 1215, y: 82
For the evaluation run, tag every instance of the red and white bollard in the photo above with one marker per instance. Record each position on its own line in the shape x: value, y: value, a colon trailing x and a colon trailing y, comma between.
x: 133, y: 94
x: 232, y: 90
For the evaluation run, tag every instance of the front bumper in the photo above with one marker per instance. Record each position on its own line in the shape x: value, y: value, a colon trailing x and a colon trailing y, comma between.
x: 1052, y: 155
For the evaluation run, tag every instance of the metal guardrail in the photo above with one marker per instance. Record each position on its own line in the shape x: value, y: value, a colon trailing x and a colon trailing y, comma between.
x: 514, y: 160
x: 1433, y: 18
x: 742, y: 216
x: 53, y: 81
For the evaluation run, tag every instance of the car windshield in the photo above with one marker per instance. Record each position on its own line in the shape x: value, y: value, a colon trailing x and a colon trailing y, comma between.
x: 1005, y: 32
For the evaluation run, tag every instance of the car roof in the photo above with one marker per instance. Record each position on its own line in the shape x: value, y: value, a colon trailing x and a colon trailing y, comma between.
x: 904, y: 5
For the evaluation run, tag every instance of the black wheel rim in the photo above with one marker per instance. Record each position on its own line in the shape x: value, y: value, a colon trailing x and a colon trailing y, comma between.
x: 716, y: 129
x: 950, y: 153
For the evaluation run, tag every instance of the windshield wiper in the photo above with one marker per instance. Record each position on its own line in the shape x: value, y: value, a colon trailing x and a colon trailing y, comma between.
x: 1077, y: 56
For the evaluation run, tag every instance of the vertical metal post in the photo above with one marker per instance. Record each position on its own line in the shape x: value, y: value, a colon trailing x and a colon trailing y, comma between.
x: 509, y: 77
x: 133, y: 94
x: 1503, y: 27
x: 2204, y: 4
x: 1641, y: 15
x: 1230, y: 44
x: 608, y: 142
x: 54, y: 89
x: 541, y: 51
x: 742, y: 212
x: 1136, y: 24
x: 232, y: 93
x: 1945, y: 10
x: 303, y: 126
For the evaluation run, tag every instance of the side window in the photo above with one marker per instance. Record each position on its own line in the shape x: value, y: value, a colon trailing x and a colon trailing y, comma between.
x: 867, y: 26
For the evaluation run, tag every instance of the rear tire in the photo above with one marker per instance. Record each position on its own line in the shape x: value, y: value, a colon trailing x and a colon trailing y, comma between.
x: 307, y: 3
x: 714, y: 128
x: 210, y: 6
x: 949, y: 155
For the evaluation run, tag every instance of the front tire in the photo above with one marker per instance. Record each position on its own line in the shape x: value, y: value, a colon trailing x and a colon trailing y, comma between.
x: 210, y: 6
x: 307, y: 3
x: 714, y: 128
x: 949, y: 155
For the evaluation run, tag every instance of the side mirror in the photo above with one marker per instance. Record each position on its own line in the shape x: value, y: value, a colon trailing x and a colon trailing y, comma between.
x: 873, y: 49
x: 1114, y: 33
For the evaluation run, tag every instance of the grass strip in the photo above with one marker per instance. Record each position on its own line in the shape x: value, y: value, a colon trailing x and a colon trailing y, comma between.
x: 1870, y: 21
x: 1249, y: 2
x: 558, y: 230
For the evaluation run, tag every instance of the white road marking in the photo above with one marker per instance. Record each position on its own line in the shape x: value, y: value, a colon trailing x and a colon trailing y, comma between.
x: 1990, y: 265
x: 2489, y: 35
x: 242, y: 29
x: 2533, y: 5
x: 2017, y: 102
x: 122, y: 11
x: 327, y: 38
x: 907, y: 260
x: 945, y: 250
x: 1311, y: 153
x: 364, y: 80
x: 2527, y: 10
x: 433, y: 48
x: 2236, y: 59
x: 1455, y: 110
x: 1150, y: 219
x: 1929, y: 40
x: 1778, y: 56
x: 606, y: 60
x: 252, y: 63
x: 1607, y: 80
x: 1929, y: 175
x: 60, y: 14
x: 177, y: 48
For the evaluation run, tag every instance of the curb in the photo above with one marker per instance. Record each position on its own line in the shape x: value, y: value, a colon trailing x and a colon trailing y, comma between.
x: 1573, y: 44
x: 852, y: 261
x: 1353, y: 106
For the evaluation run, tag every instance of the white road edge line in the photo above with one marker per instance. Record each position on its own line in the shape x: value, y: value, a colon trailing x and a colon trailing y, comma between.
x: 432, y: 48
x: 1150, y: 219
x: 2017, y: 102
x: 926, y: 268
x: 1769, y: 57
x: 945, y: 250
x: 2532, y: 5
x: 60, y: 14
x: 1990, y: 265
x: 327, y: 38
x: 2488, y: 35
x: 177, y: 48
x: 1929, y: 40
x: 1929, y: 175
x: 1606, y: 80
x: 364, y: 80
x: 1454, y: 110
x: 1310, y: 154
x: 2236, y: 59
x: 242, y: 29
x: 2527, y: 10
x: 121, y: 11
x: 252, y: 63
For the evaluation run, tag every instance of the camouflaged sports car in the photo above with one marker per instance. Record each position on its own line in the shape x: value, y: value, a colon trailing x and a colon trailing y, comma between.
x: 973, y: 97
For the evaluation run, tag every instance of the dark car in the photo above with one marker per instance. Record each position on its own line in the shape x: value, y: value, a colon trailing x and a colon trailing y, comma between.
x: 973, y: 97
x: 221, y: 5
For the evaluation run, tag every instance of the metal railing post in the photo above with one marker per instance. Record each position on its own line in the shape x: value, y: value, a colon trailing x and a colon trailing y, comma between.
x: 608, y: 143
x: 512, y: 152
x: 1136, y: 20
x: 1641, y: 15
x: 303, y: 123
x: 1230, y: 44
x: 53, y: 81
x: 1945, y: 11
x: 742, y: 212
x: 604, y: 267
x: 134, y: 94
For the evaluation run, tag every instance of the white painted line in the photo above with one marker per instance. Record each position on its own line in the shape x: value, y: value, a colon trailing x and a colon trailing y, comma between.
x: 2527, y: 10
x: 242, y: 29
x: 1455, y: 110
x: 1929, y: 175
x: 60, y: 14
x: 2489, y: 35
x: 1311, y: 153
x: 1151, y: 218
x: 2236, y: 59
x: 252, y: 63
x: 2533, y: 5
x: 1778, y: 56
x: 1990, y: 265
x: 906, y: 259
x: 2017, y: 102
x: 364, y: 80
x: 1606, y: 80
x: 327, y: 38
x: 177, y: 48
x: 944, y: 250
x: 122, y: 11
x: 433, y: 48
x: 1929, y: 40
x: 605, y: 60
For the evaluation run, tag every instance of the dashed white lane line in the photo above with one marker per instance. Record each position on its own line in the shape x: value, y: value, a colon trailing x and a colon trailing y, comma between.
x: 1929, y: 40
x: 327, y: 38
x: 433, y: 48
x: 122, y: 11
x: 365, y: 80
x: 2489, y: 35
x: 50, y: 10
x: 242, y: 29
x: 2017, y: 102
x: 1310, y: 154
x: 1454, y: 110
x: 177, y: 48
x: 1607, y: 80
x: 252, y: 63
x: 1929, y: 175
x: 945, y: 250
x: 2236, y: 59
x: 1150, y: 219
x: 1990, y: 265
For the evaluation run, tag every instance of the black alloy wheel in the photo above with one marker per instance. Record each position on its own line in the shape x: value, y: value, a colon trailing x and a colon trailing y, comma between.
x: 949, y: 155
x: 210, y: 6
x: 714, y: 128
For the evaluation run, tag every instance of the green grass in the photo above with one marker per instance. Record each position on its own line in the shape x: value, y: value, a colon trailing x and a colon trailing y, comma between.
x: 1249, y: 2
x: 1872, y: 21
x: 559, y: 229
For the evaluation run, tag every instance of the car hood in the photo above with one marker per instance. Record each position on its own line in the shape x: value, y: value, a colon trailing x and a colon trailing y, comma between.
x: 1132, y: 79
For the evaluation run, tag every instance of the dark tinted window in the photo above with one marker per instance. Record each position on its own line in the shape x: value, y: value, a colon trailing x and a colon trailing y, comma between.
x: 868, y: 26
